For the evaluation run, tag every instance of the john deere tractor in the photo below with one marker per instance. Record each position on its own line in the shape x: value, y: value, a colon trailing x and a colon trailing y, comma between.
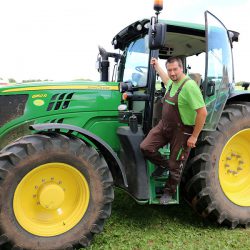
x: 66, y: 145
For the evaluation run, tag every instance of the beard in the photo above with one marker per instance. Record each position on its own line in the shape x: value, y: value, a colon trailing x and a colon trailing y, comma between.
x: 174, y: 78
x: 177, y: 77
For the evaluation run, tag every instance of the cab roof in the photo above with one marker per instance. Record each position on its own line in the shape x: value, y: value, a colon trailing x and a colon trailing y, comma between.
x: 140, y: 28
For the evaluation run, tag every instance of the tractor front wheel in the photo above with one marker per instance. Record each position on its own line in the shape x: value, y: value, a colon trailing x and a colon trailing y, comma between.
x: 55, y: 191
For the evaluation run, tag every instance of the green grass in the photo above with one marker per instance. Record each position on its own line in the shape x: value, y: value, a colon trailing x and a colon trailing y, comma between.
x: 138, y: 227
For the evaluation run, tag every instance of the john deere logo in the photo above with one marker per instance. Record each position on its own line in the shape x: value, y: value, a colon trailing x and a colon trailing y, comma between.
x: 38, y: 102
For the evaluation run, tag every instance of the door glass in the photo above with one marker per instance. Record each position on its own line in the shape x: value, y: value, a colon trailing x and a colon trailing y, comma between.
x: 219, y: 53
x: 219, y: 71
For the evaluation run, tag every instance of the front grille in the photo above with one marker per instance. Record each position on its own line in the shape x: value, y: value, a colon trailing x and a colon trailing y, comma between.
x: 11, y: 107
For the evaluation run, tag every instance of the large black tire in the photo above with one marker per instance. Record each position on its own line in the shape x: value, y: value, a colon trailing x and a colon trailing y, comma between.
x: 204, y: 176
x: 27, y: 154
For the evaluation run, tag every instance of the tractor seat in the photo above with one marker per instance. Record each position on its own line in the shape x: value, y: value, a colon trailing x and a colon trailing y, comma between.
x: 196, y: 77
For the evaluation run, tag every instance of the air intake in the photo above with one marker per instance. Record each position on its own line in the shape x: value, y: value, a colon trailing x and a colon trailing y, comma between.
x: 60, y: 101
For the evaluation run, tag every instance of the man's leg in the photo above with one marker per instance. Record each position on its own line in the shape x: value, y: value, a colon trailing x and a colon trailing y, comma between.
x: 179, y: 153
x: 151, y: 144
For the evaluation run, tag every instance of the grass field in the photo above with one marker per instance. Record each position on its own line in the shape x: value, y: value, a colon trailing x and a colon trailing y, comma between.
x: 138, y: 227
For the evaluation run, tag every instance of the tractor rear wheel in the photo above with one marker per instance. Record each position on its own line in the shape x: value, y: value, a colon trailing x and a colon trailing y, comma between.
x: 217, y: 179
x: 55, y: 193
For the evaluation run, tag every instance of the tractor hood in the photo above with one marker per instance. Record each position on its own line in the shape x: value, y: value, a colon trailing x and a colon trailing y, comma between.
x: 77, y: 96
x: 89, y: 105
x: 58, y: 100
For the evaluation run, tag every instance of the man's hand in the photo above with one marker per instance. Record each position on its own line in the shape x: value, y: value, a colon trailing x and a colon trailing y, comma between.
x: 191, y: 141
x: 163, y: 75
x: 199, y: 123
x: 154, y: 62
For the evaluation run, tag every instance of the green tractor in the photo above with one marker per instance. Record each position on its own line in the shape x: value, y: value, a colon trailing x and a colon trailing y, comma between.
x: 65, y: 145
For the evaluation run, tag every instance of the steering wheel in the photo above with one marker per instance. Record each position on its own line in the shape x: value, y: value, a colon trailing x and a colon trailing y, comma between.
x: 139, y: 68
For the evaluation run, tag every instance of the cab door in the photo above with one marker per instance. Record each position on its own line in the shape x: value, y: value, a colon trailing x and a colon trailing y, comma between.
x: 219, y: 69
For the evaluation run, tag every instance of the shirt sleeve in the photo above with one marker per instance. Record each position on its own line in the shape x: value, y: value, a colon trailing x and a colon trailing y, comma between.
x: 168, y: 86
x: 193, y: 95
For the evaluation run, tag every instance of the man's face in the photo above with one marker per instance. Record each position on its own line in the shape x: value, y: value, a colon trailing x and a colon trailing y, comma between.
x: 174, y: 71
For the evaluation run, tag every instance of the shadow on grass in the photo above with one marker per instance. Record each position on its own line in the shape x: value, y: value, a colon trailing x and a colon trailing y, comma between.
x: 125, y: 206
x: 154, y: 227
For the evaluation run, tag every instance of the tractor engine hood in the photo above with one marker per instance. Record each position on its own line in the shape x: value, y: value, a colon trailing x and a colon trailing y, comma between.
x: 47, y: 98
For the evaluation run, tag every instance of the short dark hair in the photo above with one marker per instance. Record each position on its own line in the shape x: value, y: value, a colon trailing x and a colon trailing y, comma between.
x: 175, y: 59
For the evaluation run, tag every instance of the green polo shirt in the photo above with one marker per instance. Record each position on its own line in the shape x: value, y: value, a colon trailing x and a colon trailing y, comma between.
x: 190, y: 99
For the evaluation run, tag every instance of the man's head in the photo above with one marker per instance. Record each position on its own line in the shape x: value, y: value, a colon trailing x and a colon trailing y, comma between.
x: 175, y: 68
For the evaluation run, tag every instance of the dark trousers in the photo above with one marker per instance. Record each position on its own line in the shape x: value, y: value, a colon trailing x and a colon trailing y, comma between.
x: 158, y: 137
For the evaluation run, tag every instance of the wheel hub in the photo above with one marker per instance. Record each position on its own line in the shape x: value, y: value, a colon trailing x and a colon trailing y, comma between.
x: 234, y: 163
x: 51, y: 199
x: 234, y: 168
x: 51, y: 196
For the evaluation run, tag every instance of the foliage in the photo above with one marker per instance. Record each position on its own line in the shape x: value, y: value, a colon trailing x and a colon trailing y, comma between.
x: 83, y: 79
x: 12, y: 80
x: 35, y: 80
x: 242, y: 85
x: 139, y: 227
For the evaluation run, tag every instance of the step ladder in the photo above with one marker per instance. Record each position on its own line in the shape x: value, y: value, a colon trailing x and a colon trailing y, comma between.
x: 156, y: 185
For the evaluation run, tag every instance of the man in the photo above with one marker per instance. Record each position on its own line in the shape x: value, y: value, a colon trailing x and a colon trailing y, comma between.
x: 183, y: 117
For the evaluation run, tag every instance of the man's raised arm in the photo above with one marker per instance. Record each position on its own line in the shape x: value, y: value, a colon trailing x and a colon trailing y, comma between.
x: 163, y: 75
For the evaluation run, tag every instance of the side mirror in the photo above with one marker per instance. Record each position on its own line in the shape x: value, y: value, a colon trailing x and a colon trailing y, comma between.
x: 157, y: 35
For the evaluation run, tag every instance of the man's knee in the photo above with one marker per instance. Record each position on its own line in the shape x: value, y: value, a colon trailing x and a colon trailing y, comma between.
x: 146, y: 149
x: 143, y: 147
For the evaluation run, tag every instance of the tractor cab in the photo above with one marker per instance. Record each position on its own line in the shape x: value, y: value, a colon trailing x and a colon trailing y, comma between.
x: 206, y: 52
x: 137, y: 77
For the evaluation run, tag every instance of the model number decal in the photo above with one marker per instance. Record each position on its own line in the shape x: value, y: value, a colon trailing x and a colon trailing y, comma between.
x: 39, y: 96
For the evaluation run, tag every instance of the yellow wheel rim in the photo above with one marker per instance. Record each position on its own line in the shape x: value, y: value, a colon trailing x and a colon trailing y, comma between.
x: 51, y: 199
x: 234, y: 168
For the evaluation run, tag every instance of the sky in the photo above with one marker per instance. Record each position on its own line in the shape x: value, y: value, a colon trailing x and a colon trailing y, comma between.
x: 58, y: 39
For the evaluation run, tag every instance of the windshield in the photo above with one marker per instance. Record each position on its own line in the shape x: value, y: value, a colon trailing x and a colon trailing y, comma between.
x: 136, y: 66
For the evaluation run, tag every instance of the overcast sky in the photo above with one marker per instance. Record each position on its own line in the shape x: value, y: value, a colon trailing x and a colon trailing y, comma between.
x: 58, y: 39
